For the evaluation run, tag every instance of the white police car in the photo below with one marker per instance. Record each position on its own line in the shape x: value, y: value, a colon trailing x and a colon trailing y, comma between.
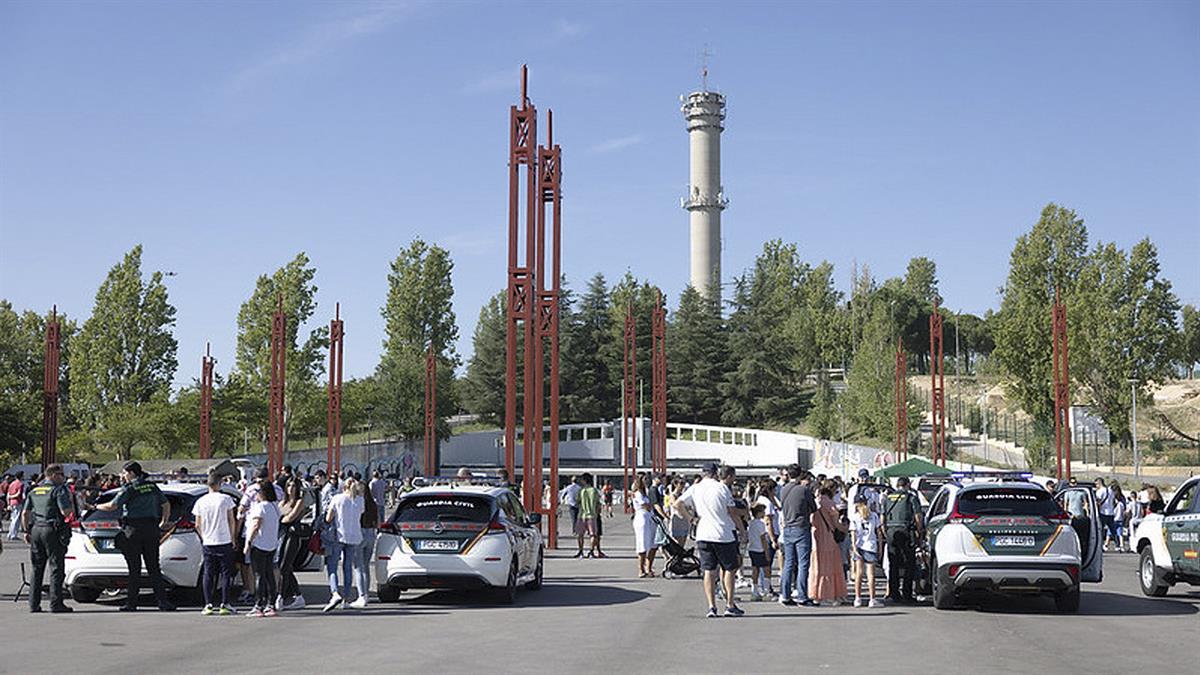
x: 1008, y: 535
x: 95, y: 565
x: 1168, y: 543
x: 457, y: 536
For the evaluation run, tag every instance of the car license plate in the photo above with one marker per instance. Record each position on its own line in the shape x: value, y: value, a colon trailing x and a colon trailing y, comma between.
x: 439, y: 545
x: 106, y: 544
x: 1026, y: 542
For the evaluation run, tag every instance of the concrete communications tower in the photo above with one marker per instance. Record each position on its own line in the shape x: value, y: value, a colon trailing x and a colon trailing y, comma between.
x: 704, y: 112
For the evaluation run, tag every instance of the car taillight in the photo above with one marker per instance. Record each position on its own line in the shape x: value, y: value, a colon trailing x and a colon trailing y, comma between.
x: 957, y: 516
x: 185, y: 525
x: 495, y: 525
x: 388, y: 528
x: 1060, y: 518
x: 952, y: 571
x: 1073, y: 571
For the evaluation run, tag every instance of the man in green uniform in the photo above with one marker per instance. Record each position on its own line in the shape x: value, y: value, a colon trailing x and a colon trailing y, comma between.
x: 145, y: 512
x: 47, y: 506
x: 902, y: 521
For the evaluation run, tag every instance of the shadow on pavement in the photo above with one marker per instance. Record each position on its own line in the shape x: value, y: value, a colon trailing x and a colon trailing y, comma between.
x: 1093, y: 603
x: 551, y: 595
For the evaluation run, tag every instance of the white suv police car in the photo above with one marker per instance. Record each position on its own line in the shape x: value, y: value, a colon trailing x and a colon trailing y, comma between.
x: 457, y: 536
x: 1169, y: 542
x: 1007, y: 536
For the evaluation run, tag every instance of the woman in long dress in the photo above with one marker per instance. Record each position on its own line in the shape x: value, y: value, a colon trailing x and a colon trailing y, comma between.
x: 643, y: 525
x: 826, y: 576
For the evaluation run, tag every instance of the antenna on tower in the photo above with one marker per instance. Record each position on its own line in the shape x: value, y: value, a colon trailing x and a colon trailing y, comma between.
x: 704, y: 54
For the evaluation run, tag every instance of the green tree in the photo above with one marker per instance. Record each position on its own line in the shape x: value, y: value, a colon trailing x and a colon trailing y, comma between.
x: 822, y: 420
x: 588, y: 390
x: 920, y: 279
x: 304, y: 361
x: 871, y: 381
x: 126, y: 353
x: 1126, y: 325
x: 1189, y: 340
x: 1050, y: 256
x: 697, y: 358
x: 483, y: 387
x: 418, y: 314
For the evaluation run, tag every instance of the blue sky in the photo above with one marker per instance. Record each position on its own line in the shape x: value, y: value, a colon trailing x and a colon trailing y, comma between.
x: 226, y: 137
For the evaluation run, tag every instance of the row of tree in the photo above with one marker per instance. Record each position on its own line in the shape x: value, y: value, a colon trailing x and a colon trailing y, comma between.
x: 770, y: 357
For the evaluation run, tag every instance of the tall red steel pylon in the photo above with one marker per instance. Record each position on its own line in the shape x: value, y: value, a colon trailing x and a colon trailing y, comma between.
x: 938, y: 385
x: 549, y: 293
x: 431, y: 459
x: 901, y: 401
x: 629, y: 405
x: 521, y: 300
x: 50, y: 375
x: 206, y: 395
x: 658, y: 409
x: 1062, y: 389
x: 333, y: 410
x: 276, y: 429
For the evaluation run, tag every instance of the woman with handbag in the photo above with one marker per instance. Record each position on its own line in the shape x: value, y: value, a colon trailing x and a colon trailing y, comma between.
x: 826, y: 576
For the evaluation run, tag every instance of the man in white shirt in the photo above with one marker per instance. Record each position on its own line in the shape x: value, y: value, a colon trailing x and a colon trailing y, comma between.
x: 570, y: 497
x: 216, y: 521
x: 711, y: 501
x: 1106, y: 504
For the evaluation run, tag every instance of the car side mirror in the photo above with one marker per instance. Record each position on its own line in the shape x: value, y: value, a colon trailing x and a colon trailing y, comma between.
x: 533, y: 518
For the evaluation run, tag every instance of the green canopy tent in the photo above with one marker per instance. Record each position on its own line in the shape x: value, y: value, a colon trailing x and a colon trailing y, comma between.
x: 912, y: 467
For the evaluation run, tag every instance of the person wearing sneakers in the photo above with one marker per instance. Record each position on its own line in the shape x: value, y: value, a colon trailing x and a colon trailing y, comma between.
x: 344, y: 519
x: 216, y: 521
x: 867, y: 529
x: 262, y: 538
x: 711, y: 501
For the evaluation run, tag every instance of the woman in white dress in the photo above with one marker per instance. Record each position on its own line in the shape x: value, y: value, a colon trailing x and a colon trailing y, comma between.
x: 643, y: 525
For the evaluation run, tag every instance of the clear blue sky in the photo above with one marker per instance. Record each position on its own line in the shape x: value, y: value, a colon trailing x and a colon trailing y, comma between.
x: 225, y: 137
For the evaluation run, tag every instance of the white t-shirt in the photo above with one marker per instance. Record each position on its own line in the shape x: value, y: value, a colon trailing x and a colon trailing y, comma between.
x: 772, y: 513
x: 347, y: 517
x: 1105, y: 497
x: 866, y: 532
x: 213, y: 510
x: 711, y: 500
x: 267, y: 538
x: 756, y: 531
x: 570, y: 495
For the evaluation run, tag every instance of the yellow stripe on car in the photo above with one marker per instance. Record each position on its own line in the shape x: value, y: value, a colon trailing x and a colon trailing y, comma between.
x: 1053, y: 538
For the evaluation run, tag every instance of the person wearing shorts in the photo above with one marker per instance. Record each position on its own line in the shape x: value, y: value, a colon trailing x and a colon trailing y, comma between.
x: 711, y: 501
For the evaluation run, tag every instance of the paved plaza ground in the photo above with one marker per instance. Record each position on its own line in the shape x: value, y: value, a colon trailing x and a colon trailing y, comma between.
x: 595, y: 615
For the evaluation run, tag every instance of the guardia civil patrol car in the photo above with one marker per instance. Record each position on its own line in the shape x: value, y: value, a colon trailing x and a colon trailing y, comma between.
x: 1169, y: 543
x: 1003, y: 533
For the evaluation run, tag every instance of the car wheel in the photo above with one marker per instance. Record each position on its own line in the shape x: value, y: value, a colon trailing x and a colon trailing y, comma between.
x: 507, y: 594
x: 388, y: 593
x: 84, y: 594
x: 536, y: 584
x: 1067, y: 601
x: 943, y: 592
x: 1151, y: 580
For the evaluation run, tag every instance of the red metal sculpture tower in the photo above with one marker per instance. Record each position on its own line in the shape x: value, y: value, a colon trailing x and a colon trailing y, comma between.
x: 629, y: 405
x: 1062, y: 390
x: 276, y: 429
x: 938, y: 385
x: 431, y: 462
x: 658, y: 427
x: 549, y: 293
x: 521, y: 284
x: 333, y: 412
x: 50, y: 372
x: 901, y: 401
x: 206, y: 395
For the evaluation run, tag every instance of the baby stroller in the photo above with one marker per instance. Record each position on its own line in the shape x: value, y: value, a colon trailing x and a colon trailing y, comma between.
x: 681, y: 562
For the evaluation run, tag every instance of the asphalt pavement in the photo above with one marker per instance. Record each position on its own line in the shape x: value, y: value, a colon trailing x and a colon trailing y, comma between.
x: 595, y: 615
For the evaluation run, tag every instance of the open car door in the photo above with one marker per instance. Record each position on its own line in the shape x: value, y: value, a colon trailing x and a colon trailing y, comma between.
x: 1091, y: 535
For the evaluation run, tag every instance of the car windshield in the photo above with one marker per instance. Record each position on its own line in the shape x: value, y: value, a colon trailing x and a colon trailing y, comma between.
x: 1008, y: 501
x: 445, y: 508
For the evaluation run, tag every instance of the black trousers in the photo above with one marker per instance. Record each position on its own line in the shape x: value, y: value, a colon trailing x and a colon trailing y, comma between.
x: 218, y: 567
x: 293, y: 545
x: 47, y: 545
x: 263, y: 563
x: 903, y: 566
x: 140, y: 542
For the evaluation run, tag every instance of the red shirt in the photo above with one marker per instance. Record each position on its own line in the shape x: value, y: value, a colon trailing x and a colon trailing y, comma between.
x: 16, y: 493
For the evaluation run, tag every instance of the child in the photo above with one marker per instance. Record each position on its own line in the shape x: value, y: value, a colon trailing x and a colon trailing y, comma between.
x: 866, y: 527
x: 759, y: 547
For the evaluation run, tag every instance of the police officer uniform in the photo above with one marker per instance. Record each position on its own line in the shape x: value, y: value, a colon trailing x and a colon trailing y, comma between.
x: 141, y: 510
x: 48, y: 505
x: 900, y: 510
